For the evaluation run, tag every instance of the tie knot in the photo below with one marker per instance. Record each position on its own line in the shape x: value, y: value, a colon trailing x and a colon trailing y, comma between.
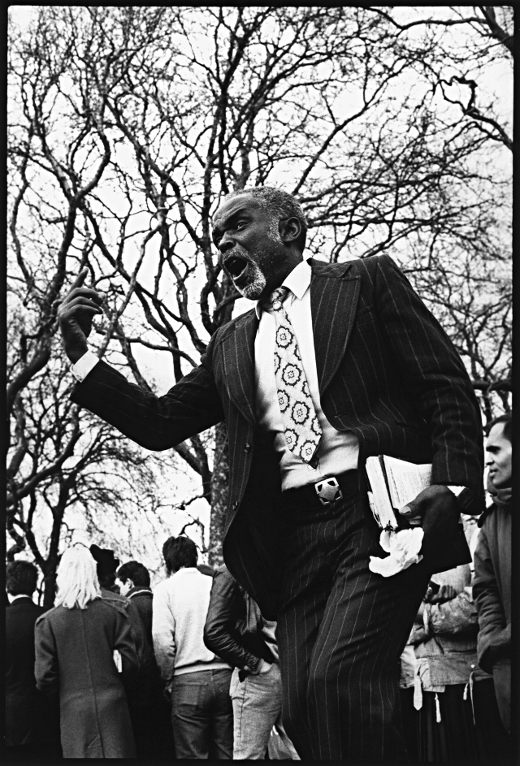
x: 278, y: 296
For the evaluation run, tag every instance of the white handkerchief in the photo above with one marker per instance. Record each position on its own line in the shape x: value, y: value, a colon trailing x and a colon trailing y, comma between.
x: 403, y: 547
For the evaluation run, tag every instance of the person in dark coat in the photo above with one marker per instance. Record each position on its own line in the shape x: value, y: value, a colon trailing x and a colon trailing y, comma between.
x: 492, y: 579
x: 84, y: 657
x: 133, y: 580
x: 30, y: 727
x: 106, y: 566
x: 237, y: 632
x: 148, y: 708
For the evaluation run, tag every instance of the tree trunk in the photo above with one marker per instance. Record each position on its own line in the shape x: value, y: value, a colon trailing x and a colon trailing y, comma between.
x: 219, y: 496
x: 49, y: 587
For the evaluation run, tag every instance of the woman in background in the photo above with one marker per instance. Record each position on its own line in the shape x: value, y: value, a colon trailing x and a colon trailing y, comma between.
x: 84, y: 655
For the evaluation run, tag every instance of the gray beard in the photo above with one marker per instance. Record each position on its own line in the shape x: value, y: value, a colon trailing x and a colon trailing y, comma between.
x: 255, y: 288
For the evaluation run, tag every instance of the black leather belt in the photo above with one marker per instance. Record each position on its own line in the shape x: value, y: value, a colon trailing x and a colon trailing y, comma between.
x: 326, y: 492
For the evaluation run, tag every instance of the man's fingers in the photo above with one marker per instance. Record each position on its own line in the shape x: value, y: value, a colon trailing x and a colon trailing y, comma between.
x: 78, y: 289
x: 83, y: 297
x: 79, y: 310
x: 85, y: 301
x: 81, y: 304
x: 411, y: 514
x: 80, y: 278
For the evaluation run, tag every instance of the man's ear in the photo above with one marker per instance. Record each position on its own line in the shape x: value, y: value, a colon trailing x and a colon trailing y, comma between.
x: 290, y: 229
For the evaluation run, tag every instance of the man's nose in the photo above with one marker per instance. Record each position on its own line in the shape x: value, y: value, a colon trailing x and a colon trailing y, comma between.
x: 226, y: 243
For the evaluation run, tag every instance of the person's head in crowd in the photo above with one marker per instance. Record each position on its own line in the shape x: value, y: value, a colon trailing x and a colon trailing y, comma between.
x: 107, y: 565
x: 499, y: 450
x: 132, y: 575
x: 21, y: 578
x: 77, y: 580
x: 179, y: 552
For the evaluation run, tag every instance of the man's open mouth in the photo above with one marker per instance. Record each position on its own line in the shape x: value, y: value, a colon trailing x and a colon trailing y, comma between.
x: 235, y: 265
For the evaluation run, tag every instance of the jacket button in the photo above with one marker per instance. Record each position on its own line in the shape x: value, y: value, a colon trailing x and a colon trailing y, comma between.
x: 247, y: 448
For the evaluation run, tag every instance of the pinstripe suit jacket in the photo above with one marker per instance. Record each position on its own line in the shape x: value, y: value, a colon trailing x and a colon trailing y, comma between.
x: 387, y: 371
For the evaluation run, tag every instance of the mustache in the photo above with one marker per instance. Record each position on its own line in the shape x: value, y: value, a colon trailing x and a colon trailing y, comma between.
x: 236, y: 260
x: 236, y: 250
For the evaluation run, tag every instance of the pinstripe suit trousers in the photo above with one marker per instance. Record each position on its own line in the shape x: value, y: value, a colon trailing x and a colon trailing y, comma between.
x: 341, y: 631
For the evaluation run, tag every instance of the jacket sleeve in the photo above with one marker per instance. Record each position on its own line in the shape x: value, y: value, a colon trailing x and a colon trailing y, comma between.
x: 46, y: 659
x: 436, y: 374
x: 125, y: 645
x: 154, y: 422
x: 163, y: 634
x: 494, y: 638
x: 138, y: 635
x: 226, y: 606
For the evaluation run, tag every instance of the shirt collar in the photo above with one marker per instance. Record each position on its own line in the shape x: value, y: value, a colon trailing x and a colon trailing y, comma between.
x: 297, y: 281
x: 12, y: 598
x: 138, y: 589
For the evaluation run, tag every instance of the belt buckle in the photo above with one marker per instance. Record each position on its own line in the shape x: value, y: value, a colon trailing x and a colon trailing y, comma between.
x: 328, y: 491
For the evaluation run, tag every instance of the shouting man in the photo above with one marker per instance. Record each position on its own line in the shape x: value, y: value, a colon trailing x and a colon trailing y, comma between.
x: 335, y: 362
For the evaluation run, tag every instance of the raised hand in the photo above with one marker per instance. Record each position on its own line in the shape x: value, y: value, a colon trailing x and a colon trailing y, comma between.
x: 75, y: 316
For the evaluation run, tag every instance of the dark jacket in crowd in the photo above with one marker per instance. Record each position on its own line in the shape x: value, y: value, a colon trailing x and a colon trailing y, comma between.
x: 75, y: 663
x: 233, y: 624
x: 492, y: 594
x: 136, y: 624
x: 143, y: 691
x: 142, y: 597
x: 492, y: 585
x: 24, y: 705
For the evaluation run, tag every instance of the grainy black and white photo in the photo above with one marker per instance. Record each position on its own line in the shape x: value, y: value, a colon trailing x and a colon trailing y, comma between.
x: 259, y: 383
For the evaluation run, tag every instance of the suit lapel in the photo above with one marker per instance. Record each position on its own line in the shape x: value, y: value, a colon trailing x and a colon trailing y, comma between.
x: 238, y: 353
x: 334, y: 299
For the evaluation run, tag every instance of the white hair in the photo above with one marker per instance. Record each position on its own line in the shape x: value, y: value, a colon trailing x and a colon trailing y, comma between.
x: 77, y: 579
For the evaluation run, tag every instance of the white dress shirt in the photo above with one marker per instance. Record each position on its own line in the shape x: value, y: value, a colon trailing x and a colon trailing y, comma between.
x: 337, y: 451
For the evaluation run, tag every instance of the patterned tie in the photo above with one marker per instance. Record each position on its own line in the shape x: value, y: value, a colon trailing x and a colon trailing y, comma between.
x: 302, y: 430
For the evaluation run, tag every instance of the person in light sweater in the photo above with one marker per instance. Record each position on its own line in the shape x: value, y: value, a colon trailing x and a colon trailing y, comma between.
x: 194, y: 677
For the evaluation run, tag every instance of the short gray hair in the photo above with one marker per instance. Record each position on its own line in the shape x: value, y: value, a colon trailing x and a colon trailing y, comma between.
x: 280, y: 203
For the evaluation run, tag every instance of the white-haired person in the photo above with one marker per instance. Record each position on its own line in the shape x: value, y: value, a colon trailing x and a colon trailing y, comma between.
x: 84, y: 656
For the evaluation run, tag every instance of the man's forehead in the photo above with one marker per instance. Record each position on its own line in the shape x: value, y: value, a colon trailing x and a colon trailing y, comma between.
x: 233, y: 205
x: 496, y: 435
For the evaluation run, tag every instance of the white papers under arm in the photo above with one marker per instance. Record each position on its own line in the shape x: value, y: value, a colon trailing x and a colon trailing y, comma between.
x: 405, y: 480
x: 378, y: 495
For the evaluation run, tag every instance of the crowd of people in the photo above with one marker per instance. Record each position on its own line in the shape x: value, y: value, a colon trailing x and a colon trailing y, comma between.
x: 190, y: 669
x: 116, y: 670
x: 333, y: 364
